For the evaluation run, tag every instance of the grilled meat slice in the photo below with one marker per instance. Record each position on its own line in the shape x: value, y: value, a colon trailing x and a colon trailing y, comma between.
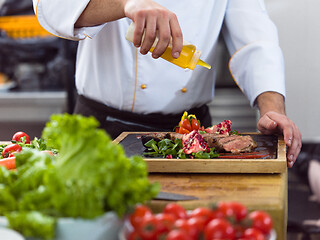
x: 235, y: 144
x: 157, y: 136
x: 211, y: 138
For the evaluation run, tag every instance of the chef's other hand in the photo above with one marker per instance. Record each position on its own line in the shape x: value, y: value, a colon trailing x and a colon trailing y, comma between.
x: 276, y: 123
x: 149, y: 16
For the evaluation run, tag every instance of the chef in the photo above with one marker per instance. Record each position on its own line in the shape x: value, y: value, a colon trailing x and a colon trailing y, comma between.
x: 128, y: 89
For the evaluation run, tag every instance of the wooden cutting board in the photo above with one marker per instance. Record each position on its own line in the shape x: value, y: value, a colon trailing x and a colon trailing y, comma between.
x: 271, y: 151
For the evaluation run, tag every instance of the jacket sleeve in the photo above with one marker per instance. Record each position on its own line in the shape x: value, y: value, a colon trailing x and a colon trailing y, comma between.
x: 256, y: 62
x: 59, y: 16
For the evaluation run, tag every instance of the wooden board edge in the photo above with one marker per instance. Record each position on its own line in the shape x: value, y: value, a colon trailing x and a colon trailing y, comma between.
x: 282, y: 149
x: 216, y: 166
x: 123, y: 135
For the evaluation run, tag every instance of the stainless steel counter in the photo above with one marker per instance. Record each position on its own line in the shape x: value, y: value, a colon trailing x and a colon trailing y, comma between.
x: 31, y: 106
x: 28, y: 111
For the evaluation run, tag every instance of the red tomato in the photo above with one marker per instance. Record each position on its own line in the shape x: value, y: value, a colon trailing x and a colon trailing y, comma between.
x: 195, y: 124
x: 239, y: 210
x: 261, y: 220
x: 225, y: 209
x: 134, y: 235
x: 239, y: 230
x: 148, y: 227
x: 9, y: 162
x: 178, y: 234
x: 233, y: 209
x: 11, y: 148
x: 176, y: 210
x: 183, y: 130
x: 185, y: 123
x: 182, y: 223
x: 18, y: 136
x: 196, y: 226
x: 219, y: 228
x: 206, y: 213
x: 139, y: 212
x: 165, y: 222
x: 253, y: 234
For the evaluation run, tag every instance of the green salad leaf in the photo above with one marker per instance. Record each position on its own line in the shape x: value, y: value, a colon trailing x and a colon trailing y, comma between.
x: 174, y: 149
x: 32, y: 224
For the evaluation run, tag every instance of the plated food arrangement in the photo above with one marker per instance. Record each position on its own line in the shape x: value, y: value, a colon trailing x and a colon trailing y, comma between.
x: 191, y: 148
x: 191, y: 140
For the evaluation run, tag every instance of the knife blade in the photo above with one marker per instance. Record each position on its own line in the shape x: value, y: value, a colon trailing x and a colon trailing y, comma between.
x: 174, y: 196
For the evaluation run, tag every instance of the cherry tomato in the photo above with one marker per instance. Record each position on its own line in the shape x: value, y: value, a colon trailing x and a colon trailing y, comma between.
x: 195, y: 124
x: 178, y: 234
x: 185, y: 123
x: 196, y: 226
x: 139, y: 212
x: 11, y: 148
x: 134, y: 235
x: 148, y: 227
x: 253, y: 234
x: 203, y: 212
x: 182, y: 223
x: 219, y: 228
x: 261, y: 220
x: 165, y: 222
x: 183, y: 130
x: 18, y: 136
x: 233, y: 210
x: 239, y: 210
x: 176, y: 210
x: 225, y: 209
x: 239, y: 230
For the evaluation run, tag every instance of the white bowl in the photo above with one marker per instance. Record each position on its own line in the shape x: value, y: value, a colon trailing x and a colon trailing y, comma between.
x: 9, y: 234
x: 105, y: 227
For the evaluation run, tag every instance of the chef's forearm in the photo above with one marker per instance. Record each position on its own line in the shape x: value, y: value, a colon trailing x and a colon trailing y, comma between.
x: 270, y: 101
x: 101, y: 11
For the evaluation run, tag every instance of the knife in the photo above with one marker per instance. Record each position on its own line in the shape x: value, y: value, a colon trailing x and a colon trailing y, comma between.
x: 174, y: 197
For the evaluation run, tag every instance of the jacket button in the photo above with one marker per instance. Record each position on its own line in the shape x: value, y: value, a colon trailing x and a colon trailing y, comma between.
x: 143, y: 86
x: 184, y: 90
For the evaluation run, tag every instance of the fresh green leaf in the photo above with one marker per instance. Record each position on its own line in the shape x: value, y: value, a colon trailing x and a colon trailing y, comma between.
x: 32, y: 224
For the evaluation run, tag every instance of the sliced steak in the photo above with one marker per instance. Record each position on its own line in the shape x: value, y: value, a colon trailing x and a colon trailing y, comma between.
x: 173, y: 136
x: 235, y: 144
x: 157, y: 136
x: 211, y: 138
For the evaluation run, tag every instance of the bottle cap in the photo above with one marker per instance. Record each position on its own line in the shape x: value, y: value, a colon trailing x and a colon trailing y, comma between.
x: 194, y: 60
x: 129, y: 34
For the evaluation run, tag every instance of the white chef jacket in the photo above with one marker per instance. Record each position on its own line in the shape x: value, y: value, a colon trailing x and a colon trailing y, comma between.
x: 109, y: 69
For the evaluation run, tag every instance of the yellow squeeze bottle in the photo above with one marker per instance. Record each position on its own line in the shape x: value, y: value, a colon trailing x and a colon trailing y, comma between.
x: 189, y: 56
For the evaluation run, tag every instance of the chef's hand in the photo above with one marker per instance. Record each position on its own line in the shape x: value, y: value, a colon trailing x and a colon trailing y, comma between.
x: 276, y: 123
x: 149, y: 16
x: 273, y: 120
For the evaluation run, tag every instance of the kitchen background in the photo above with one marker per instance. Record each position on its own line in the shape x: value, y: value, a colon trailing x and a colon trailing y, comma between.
x: 43, y: 82
x: 36, y: 80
